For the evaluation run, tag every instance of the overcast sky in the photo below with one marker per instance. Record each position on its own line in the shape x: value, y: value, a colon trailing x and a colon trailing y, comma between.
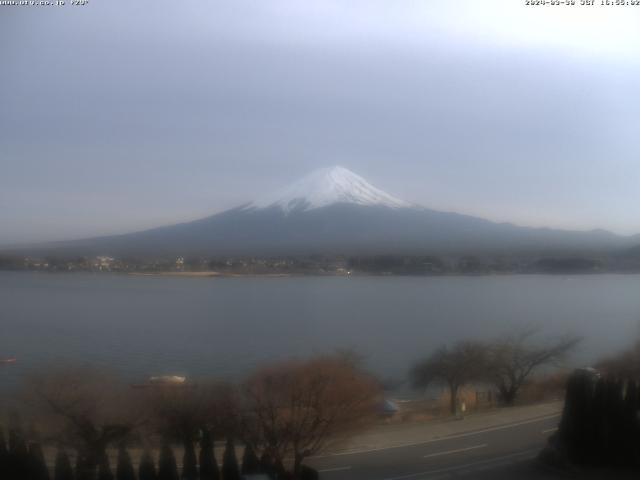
x: 120, y: 115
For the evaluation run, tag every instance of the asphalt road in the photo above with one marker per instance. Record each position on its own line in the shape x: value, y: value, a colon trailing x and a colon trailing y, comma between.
x: 505, y: 451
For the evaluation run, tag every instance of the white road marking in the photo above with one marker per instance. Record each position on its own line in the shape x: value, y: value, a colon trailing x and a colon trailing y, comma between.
x: 458, y: 450
x: 467, y: 466
x: 442, y: 439
x: 336, y: 469
x: 549, y: 430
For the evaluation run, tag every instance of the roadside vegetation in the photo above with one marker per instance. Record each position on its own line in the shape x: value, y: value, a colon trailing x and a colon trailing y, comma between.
x: 96, y: 427
x: 87, y: 424
x: 625, y: 364
x: 507, y: 364
x: 600, y: 426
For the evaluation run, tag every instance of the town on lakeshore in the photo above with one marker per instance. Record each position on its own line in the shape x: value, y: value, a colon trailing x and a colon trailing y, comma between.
x: 329, y: 265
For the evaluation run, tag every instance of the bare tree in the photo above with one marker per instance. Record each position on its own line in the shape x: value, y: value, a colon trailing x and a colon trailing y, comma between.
x: 180, y: 412
x: 511, y: 360
x: 302, y: 407
x: 84, y: 407
x: 453, y: 366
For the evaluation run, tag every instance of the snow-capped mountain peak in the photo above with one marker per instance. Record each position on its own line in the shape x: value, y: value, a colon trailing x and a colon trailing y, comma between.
x: 325, y: 187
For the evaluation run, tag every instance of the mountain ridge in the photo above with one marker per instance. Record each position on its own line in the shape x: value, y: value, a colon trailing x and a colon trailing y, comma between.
x: 335, y: 211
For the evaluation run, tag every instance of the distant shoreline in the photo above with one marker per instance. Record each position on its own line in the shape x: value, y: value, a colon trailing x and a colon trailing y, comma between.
x: 207, y: 274
x: 216, y: 274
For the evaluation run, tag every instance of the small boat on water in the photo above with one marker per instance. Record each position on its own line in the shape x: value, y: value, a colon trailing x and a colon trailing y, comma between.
x: 165, y: 381
x: 8, y: 361
x: 168, y: 380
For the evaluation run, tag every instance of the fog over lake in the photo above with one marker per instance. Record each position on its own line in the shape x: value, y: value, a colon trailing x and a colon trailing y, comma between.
x: 223, y: 327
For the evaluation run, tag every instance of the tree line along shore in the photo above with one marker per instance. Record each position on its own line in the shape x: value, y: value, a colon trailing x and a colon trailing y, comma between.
x: 331, y: 264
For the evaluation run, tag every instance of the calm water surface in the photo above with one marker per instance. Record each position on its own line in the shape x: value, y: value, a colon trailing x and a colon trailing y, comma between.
x: 224, y: 327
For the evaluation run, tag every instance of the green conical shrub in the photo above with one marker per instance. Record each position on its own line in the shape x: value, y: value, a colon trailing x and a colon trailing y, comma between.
x: 124, y: 470
x: 279, y: 471
x: 598, y: 427
x: 189, y: 461
x: 62, y: 468
x: 167, y: 468
x: 104, y: 468
x: 79, y: 466
x: 18, y: 457
x: 266, y: 465
x: 37, y: 465
x: 230, y: 469
x: 614, y: 417
x: 308, y: 473
x: 633, y: 414
x: 631, y: 424
x: 250, y: 461
x: 147, y: 467
x: 574, y: 425
x: 85, y: 466
x: 208, y: 465
x: 4, y: 454
x: 15, y: 438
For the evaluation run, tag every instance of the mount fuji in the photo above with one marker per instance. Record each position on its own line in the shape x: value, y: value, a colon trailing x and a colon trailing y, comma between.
x: 325, y: 187
x: 335, y: 211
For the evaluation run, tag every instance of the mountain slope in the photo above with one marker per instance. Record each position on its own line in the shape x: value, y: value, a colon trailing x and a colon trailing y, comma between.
x: 325, y: 187
x: 336, y: 211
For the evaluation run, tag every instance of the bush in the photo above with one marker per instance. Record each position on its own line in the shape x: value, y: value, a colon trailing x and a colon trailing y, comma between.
x: 189, y: 461
x: 250, y: 461
x: 308, y: 473
x: 266, y: 465
x: 230, y: 470
x: 147, y: 467
x: 4, y: 454
x: 125, y: 470
x: 167, y: 468
x: 62, y: 469
x: 37, y: 465
x: 208, y: 463
x: 631, y: 424
x: 600, y: 423
x: 18, y: 457
x: 104, y: 468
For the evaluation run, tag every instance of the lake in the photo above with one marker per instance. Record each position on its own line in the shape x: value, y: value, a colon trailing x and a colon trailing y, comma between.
x: 224, y: 327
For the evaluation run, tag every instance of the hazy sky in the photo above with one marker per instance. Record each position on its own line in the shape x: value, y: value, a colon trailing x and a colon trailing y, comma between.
x: 122, y: 115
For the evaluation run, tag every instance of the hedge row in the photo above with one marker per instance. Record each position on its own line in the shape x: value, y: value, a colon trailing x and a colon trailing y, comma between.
x: 600, y: 424
x: 22, y: 461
